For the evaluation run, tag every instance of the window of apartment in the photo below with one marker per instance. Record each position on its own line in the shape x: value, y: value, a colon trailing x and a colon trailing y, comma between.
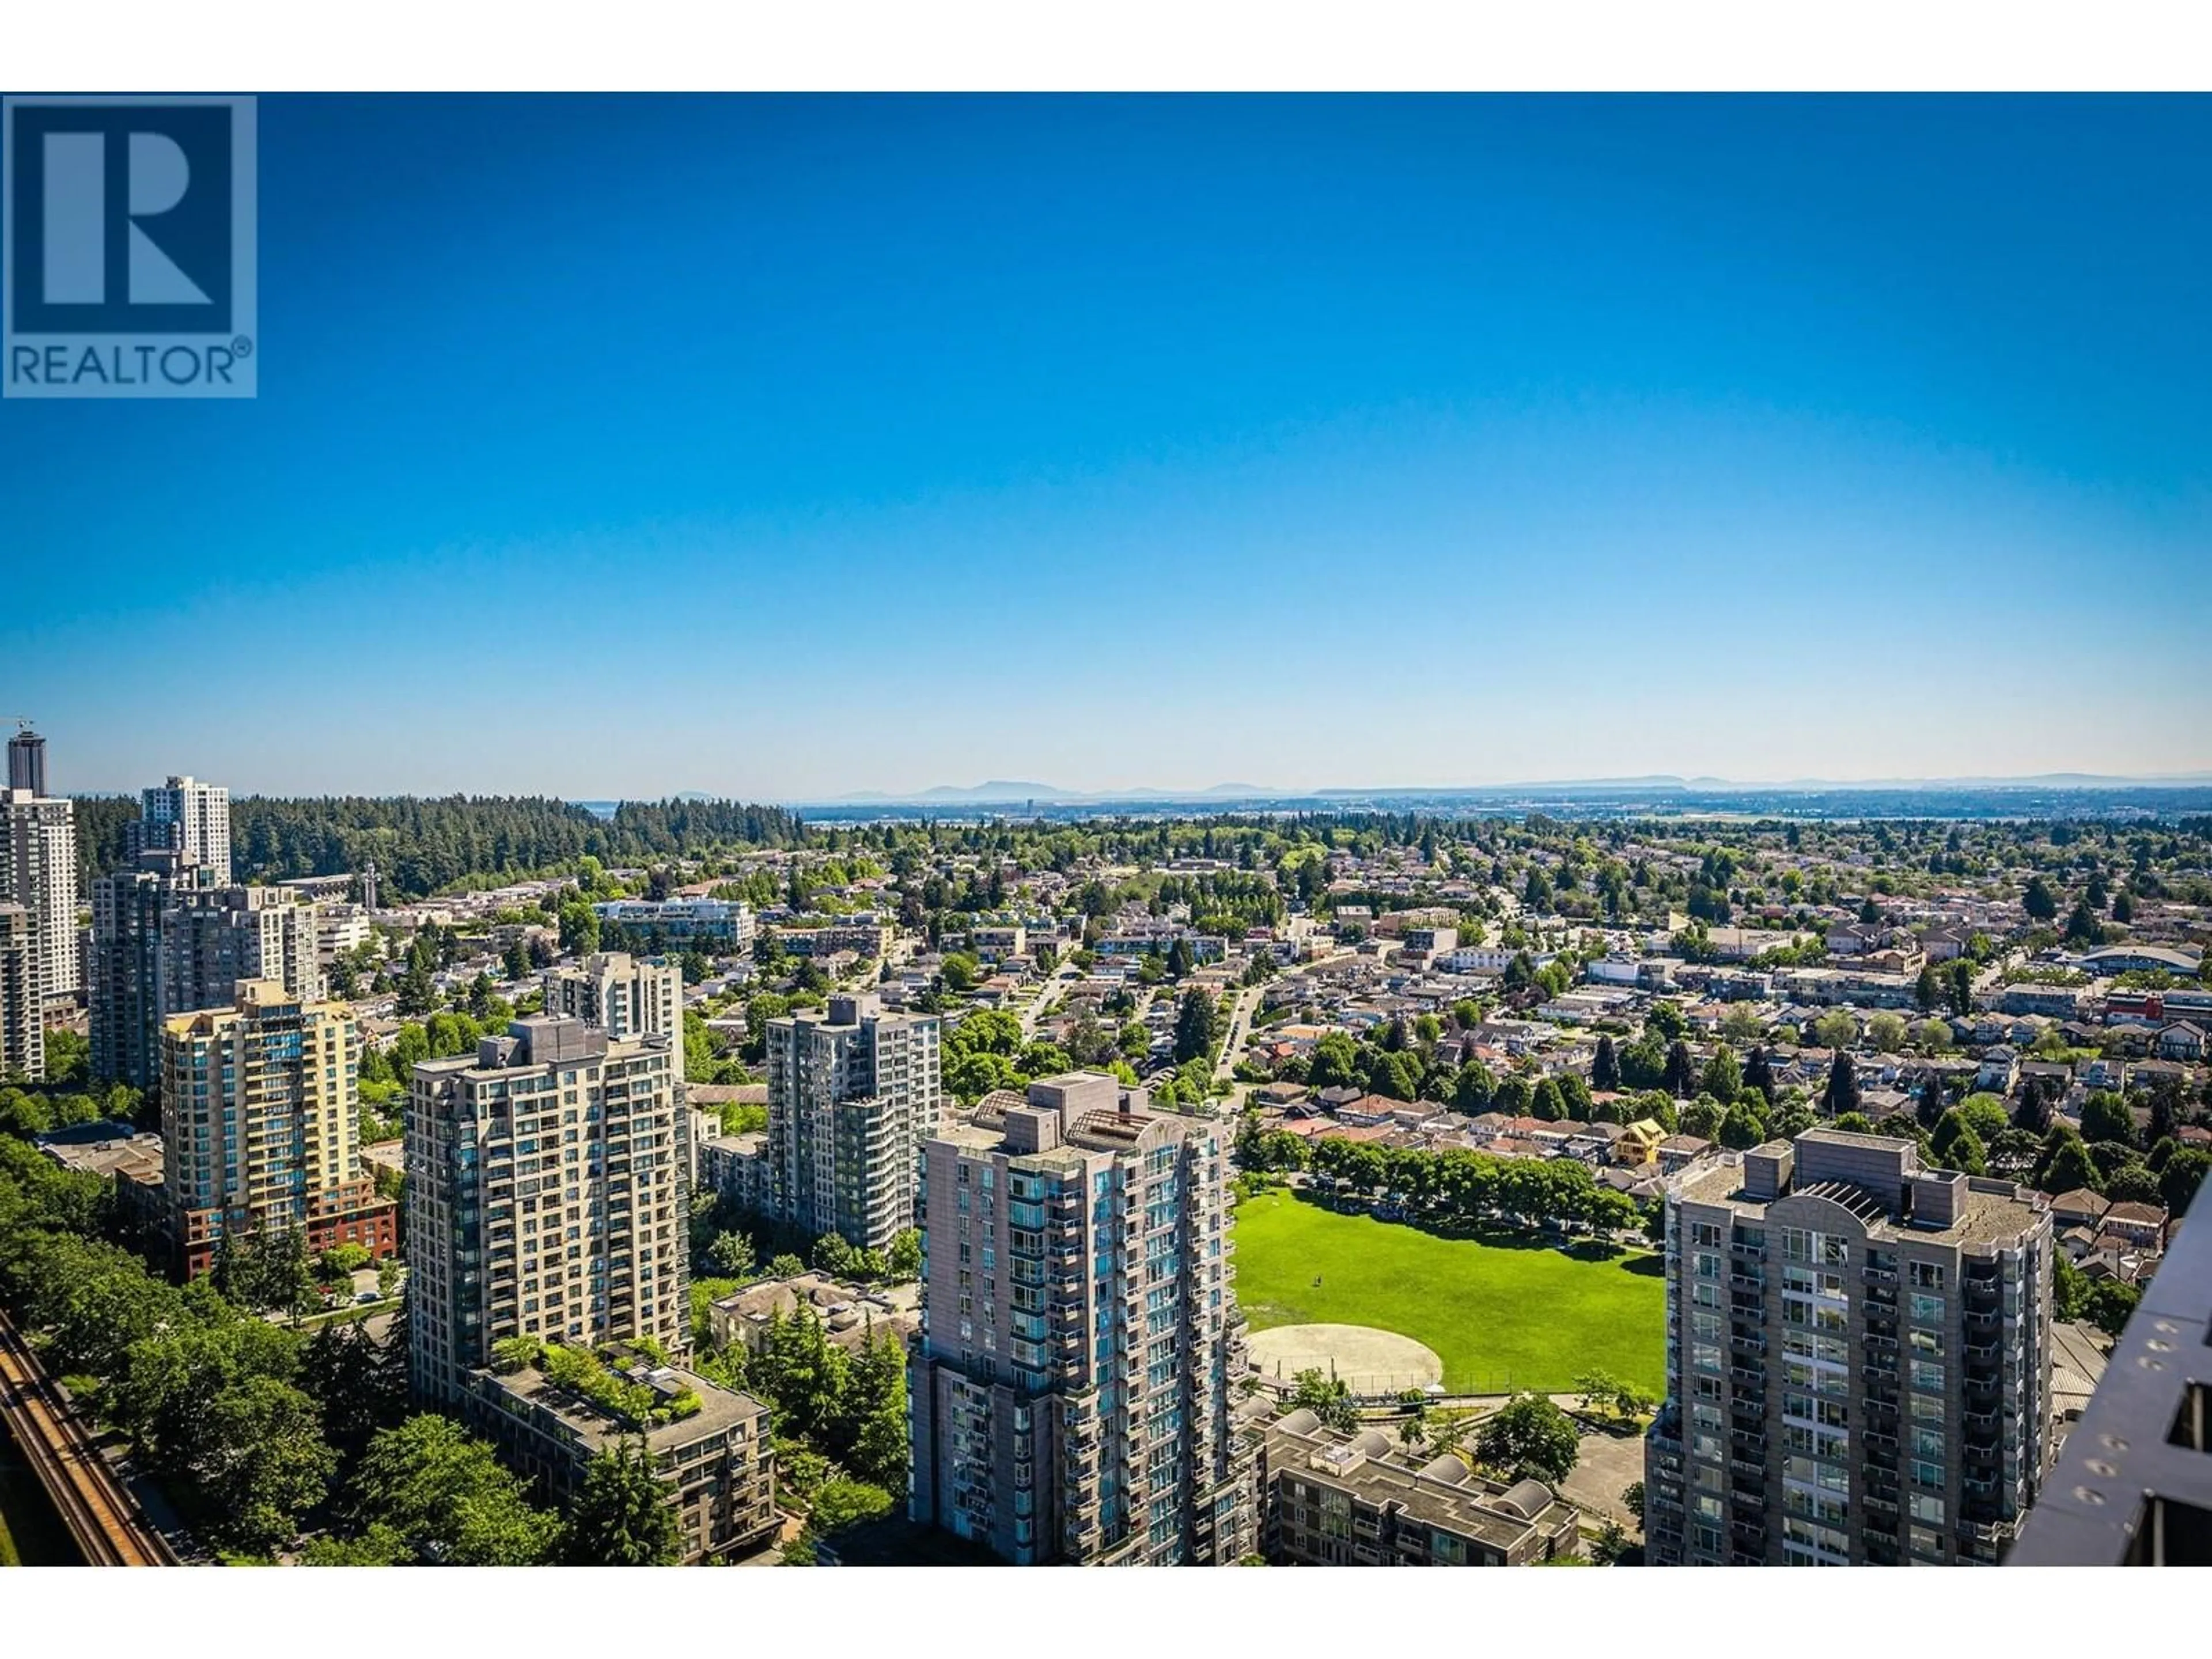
x: 1928, y: 1377
x: 1926, y: 1507
x: 1927, y: 1309
x: 1925, y: 1276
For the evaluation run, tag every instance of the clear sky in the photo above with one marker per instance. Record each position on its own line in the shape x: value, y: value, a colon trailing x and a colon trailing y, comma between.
x: 787, y: 448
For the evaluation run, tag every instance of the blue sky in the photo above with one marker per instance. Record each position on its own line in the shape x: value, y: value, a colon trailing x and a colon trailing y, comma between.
x: 787, y: 448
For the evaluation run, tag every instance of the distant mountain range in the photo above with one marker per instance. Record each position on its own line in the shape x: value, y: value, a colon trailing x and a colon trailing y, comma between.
x: 1003, y: 790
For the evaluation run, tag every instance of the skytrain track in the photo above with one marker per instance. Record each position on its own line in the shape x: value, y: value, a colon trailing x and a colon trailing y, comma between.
x: 107, y: 1523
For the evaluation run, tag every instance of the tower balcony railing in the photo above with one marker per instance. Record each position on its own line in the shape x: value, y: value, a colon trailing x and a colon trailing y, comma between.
x: 2133, y: 1487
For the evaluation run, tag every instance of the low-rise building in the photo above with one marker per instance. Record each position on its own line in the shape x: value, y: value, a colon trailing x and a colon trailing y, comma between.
x: 1357, y: 1500
x: 117, y: 1151
x: 852, y: 1317
x: 725, y: 922
x: 710, y: 1446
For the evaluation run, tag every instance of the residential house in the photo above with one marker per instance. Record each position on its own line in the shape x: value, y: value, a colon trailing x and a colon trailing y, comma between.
x: 2181, y: 1042
x: 1638, y: 1143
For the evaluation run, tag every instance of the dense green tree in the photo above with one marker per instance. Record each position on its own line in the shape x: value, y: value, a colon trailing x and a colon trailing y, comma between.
x: 730, y: 1255
x: 1962, y: 987
x: 2131, y: 1184
x: 1336, y: 1062
x: 1724, y: 1075
x: 262, y: 1462
x: 2181, y: 1177
x: 1196, y: 1022
x: 2038, y: 900
x: 1529, y: 1436
x: 1474, y: 1089
x: 1605, y: 1066
x: 1703, y: 1118
x: 442, y: 1489
x: 2065, y: 1165
x: 1742, y: 1127
x: 348, y: 1374
x: 1928, y: 989
x: 1841, y: 1093
x: 1956, y: 1146
x: 1928, y: 1103
x: 1327, y: 1397
x: 1759, y: 1073
x: 2105, y: 1116
x: 2109, y: 1305
x: 622, y: 1516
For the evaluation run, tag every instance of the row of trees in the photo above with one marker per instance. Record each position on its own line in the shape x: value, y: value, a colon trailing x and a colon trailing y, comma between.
x: 424, y: 846
x: 1455, y: 1185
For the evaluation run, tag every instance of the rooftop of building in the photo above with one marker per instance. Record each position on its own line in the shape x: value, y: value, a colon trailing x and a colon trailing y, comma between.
x: 539, y: 1040
x: 601, y: 1401
x: 109, y: 1147
x: 851, y: 1312
x: 1072, y: 1112
x: 1876, y: 1179
x: 1441, y: 1492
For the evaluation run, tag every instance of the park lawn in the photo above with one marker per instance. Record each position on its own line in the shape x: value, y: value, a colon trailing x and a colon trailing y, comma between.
x: 1500, y: 1317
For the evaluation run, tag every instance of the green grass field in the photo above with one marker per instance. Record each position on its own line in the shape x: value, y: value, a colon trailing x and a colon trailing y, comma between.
x: 1499, y: 1316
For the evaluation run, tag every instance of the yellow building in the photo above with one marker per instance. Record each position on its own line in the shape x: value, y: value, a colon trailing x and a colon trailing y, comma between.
x: 260, y: 1115
x: 1639, y: 1143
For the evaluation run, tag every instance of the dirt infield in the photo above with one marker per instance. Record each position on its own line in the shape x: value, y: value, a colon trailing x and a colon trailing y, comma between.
x: 1369, y: 1360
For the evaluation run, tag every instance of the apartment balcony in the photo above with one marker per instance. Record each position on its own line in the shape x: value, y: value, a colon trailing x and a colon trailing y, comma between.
x: 1746, y: 1282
